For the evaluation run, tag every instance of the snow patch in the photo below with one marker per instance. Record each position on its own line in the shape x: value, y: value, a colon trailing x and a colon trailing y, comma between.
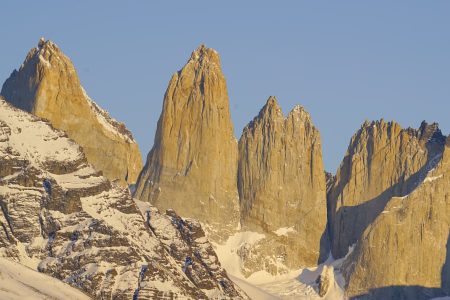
x: 432, y: 178
x: 35, y: 140
x: 299, y: 285
x: 252, y: 291
x: 284, y: 231
x: 228, y: 252
x: 105, y: 119
x: 18, y: 282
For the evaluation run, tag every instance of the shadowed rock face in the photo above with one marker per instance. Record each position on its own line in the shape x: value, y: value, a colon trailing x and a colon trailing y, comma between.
x: 193, y: 164
x: 383, y: 160
x: 47, y: 85
x: 391, y: 198
x: 73, y: 224
x: 281, y: 183
x: 404, y: 254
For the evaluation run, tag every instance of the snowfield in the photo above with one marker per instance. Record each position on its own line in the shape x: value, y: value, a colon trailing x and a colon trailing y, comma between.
x: 21, y: 283
x: 296, y: 285
x: 299, y: 285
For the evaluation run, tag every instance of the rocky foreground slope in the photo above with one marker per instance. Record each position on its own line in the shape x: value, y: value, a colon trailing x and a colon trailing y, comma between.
x: 61, y: 217
x: 47, y: 85
x: 193, y: 163
x: 281, y: 186
x: 18, y: 282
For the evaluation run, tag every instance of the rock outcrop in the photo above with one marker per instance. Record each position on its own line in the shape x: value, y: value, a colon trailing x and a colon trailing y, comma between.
x: 383, y: 160
x: 61, y: 217
x: 281, y: 185
x: 47, y: 85
x: 390, y: 200
x: 192, y: 166
x: 325, y: 280
x: 405, y: 252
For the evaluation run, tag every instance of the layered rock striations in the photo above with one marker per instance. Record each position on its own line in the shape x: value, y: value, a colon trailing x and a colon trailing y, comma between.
x: 281, y: 186
x: 47, y: 85
x: 383, y: 160
x: 61, y: 217
x: 192, y: 166
x: 405, y: 252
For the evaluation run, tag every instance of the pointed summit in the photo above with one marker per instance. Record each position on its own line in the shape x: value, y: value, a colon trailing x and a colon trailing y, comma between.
x: 41, y: 42
x: 272, y: 100
x: 192, y: 165
x: 272, y: 103
x: 431, y: 133
x: 47, y: 85
x: 204, y: 54
x: 271, y: 109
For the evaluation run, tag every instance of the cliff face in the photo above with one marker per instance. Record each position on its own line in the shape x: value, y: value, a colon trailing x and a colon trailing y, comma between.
x: 390, y: 200
x: 383, y: 160
x: 281, y: 183
x: 61, y: 217
x: 405, y: 252
x: 192, y: 166
x: 47, y: 85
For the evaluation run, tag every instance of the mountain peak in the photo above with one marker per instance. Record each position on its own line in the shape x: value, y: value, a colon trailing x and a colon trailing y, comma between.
x: 299, y: 113
x: 47, y: 54
x: 274, y: 152
x: 48, y: 86
x: 431, y: 133
x: 195, y: 157
x: 270, y: 109
x: 272, y: 101
x: 41, y: 42
x: 204, y: 54
x: 44, y: 44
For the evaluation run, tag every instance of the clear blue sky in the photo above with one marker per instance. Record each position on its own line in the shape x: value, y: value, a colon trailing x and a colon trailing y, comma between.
x: 345, y: 61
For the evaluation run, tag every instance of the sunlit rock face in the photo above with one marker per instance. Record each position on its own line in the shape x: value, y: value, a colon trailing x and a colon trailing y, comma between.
x: 281, y: 184
x: 405, y: 252
x: 391, y: 199
x: 47, y: 85
x: 192, y: 166
x: 383, y: 160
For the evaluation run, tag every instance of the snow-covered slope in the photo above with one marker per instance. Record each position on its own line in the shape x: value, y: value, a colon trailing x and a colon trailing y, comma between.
x: 18, y: 282
x: 61, y: 217
x: 322, y: 282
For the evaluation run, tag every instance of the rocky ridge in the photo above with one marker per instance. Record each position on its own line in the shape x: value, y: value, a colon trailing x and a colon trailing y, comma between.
x: 390, y: 201
x: 48, y: 86
x: 407, y: 247
x: 383, y: 160
x: 61, y: 217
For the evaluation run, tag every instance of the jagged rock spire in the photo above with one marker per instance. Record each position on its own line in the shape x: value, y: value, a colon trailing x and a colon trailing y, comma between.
x: 192, y: 165
x: 281, y: 182
x: 47, y: 85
